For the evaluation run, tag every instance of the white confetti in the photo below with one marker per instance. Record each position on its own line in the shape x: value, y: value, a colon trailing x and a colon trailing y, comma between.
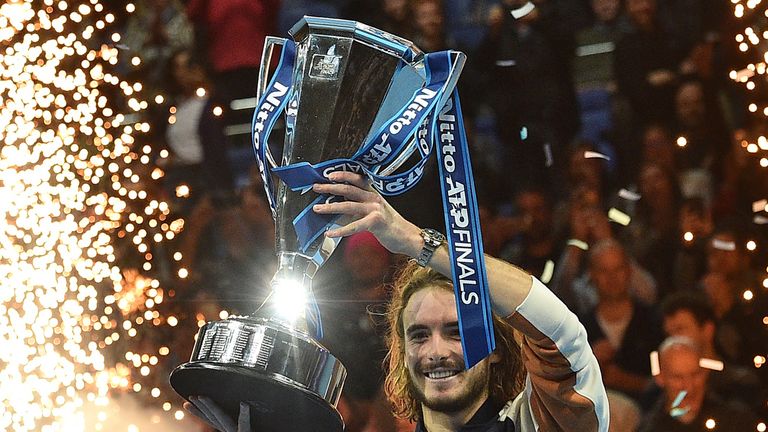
x: 578, y: 243
x: 760, y: 205
x: 548, y: 154
x: 715, y: 365
x: 677, y: 412
x: 723, y: 245
x: 618, y: 216
x: 595, y: 155
x: 655, y: 369
x: 629, y: 195
x: 505, y: 63
x: 679, y: 398
x: 760, y: 220
x: 549, y: 270
x: 523, y: 10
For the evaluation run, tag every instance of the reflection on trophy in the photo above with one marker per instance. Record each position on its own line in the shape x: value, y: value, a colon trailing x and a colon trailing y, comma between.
x: 347, y: 80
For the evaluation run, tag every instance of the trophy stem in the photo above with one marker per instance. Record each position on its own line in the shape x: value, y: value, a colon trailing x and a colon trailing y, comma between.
x: 291, y: 292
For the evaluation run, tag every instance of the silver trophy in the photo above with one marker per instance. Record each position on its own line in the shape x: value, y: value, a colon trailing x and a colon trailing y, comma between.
x: 348, y: 79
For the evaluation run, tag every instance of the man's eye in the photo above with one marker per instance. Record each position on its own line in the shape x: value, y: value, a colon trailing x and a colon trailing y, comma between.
x: 418, y: 336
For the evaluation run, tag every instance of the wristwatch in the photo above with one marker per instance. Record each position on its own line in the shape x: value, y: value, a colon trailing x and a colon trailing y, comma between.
x: 432, y: 240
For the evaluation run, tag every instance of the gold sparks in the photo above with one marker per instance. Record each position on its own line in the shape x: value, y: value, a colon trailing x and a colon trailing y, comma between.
x: 72, y: 182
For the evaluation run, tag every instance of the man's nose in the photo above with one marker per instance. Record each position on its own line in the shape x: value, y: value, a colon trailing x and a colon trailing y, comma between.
x: 438, y: 349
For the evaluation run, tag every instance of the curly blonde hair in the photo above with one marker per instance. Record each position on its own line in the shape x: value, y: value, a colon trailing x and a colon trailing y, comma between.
x: 506, y: 376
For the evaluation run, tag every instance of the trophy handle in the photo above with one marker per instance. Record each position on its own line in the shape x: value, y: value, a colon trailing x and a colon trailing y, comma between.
x: 266, y: 61
x: 459, y: 59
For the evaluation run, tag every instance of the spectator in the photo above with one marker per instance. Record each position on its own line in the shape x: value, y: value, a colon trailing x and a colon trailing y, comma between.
x: 741, y: 179
x: 222, y: 27
x: 645, y: 65
x: 658, y: 147
x: 155, y: 31
x: 622, y: 331
x: 393, y: 16
x: 588, y: 172
x: 537, y: 242
x: 706, y: 139
x: 653, y: 232
x: 194, y: 136
x: 593, y: 64
x: 526, y: 67
x: 429, y: 25
x: 691, y: 316
x: 695, y: 231
x: 679, y: 372
x: 740, y: 330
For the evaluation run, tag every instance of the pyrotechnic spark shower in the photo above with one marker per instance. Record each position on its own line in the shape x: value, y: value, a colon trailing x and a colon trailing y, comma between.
x: 74, y: 201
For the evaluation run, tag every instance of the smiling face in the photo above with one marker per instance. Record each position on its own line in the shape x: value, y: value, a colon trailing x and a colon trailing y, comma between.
x: 434, y: 356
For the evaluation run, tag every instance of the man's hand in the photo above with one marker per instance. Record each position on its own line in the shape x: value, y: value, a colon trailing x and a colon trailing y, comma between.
x: 366, y: 210
x: 214, y: 415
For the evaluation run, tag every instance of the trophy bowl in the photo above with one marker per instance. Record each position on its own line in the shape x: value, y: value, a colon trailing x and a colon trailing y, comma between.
x: 288, y: 380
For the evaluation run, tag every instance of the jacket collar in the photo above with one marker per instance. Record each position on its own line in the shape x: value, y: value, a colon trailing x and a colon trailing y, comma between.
x: 485, y: 419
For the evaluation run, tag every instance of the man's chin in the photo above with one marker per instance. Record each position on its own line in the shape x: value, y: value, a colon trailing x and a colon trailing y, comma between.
x: 445, y: 403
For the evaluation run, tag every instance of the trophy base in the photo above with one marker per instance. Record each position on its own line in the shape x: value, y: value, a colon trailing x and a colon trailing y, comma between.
x: 275, y: 405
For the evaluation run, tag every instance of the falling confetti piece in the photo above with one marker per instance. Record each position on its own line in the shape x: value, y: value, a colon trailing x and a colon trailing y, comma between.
x: 549, y: 270
x: 677, y: 412
x: 655, y: 369
x: 548, y: 153
x: 578, y: 243
x: 715, y: 365
x: 523, y: 10
x: 679, y: 398
x: 595, y: 155
x: 524, y: 133
x: 629, y: 195
x: 760, y: 220
x: 759, y: 205
x: 619, y: 217
x: 505, y: 63
x: 723, y: 245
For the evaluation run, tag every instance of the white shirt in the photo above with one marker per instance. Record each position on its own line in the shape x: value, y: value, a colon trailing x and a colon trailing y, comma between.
x: 183, y: 136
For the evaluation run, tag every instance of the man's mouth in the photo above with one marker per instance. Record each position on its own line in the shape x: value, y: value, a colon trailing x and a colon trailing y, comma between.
x: 441, y: 374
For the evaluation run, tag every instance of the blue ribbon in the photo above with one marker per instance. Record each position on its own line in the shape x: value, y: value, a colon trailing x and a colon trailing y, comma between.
x: 465, y: 243
x: 419, y: 120
x: 269, y: 107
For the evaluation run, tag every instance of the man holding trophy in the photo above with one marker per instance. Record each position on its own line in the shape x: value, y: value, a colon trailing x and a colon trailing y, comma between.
x: 563, y: 389
x: 475, y: 343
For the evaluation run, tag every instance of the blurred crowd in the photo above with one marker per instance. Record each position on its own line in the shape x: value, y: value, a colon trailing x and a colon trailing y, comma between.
x: 609, y: 151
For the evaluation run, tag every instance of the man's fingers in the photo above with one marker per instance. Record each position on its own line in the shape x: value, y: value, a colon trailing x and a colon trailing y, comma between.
x: 348, y: 191
x: 346, y: 207
x: 225, y: 422
x: 351, y: 178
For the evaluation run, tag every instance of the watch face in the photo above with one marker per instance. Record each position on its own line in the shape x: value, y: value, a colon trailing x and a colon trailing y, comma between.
x: 432, y: 237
